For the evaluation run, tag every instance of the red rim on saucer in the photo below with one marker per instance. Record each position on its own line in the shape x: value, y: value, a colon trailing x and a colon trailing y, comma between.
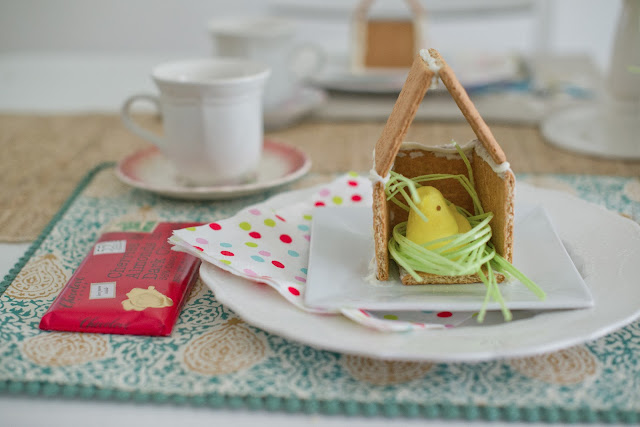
x: 149, y: 170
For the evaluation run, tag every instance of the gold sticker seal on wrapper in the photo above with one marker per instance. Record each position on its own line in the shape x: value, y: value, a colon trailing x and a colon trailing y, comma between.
x: 139, y: 299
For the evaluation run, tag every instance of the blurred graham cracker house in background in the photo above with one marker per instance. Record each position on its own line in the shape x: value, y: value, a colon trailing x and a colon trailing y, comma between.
x: 387, y: 41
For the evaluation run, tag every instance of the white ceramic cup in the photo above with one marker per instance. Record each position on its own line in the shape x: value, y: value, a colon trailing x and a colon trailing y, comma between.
x: 270, y: 41
x: 212, y: 118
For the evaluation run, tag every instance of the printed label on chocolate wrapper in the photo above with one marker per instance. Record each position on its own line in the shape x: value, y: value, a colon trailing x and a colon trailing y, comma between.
x: 131, y: 282
x: 102, y: 290
x: 110, y: 247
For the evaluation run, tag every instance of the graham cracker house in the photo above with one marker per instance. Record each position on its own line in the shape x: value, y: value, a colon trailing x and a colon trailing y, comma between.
x: 494, y: 180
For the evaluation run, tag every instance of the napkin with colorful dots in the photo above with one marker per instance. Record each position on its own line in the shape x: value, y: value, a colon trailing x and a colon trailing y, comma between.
x: 269, y: 243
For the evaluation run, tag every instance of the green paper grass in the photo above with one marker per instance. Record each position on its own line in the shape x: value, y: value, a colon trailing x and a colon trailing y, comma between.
x: 465, y: 253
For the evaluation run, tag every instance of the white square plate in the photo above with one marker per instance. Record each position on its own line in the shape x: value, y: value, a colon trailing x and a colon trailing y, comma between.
x: 340, y: 276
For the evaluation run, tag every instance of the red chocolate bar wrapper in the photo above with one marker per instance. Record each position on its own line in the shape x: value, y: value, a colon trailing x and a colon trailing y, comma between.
x: 129, y: 283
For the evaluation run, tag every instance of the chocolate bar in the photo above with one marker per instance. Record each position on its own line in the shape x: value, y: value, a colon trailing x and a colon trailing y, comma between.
x: 131, y: 282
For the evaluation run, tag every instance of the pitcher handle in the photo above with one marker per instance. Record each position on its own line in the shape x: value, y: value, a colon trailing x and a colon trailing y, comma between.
x: 316, y: 62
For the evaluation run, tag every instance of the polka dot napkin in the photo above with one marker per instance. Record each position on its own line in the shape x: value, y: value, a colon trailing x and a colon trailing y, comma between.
x: 269, y: 243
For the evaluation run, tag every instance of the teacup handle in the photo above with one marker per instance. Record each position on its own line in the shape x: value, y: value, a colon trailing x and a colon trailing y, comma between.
x: 319, y: 59
x: 130, y: 124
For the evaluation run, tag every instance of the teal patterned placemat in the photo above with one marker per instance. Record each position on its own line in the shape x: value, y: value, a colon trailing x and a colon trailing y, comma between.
x: 215, y: 359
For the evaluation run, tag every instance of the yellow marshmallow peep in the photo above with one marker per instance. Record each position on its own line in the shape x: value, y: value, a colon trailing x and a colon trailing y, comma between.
x: 443, y: 219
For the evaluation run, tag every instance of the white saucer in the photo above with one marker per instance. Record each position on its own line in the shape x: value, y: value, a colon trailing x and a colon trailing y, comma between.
x: 303, y: 101
x: 149, y: 170
x: 608, y: 265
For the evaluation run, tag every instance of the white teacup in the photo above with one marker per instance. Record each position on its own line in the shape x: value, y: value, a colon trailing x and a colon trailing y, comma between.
x: 270, y: 41
x: 212, y: 118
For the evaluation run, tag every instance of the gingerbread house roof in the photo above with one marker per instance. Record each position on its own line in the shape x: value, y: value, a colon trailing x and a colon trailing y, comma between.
x: 427, y: 67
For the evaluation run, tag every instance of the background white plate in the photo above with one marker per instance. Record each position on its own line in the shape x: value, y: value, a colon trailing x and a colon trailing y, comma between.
x: 474, y: 70
x: 342, y: 249
x: 604, y: 246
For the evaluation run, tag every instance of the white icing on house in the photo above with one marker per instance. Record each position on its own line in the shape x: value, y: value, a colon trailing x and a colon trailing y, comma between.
x: 500, y: 169
x: 415, y: 154
x: 373, y: 174
x: 449, y: 151
x: 372, y: 272
x: 433, y: 66
x: 374, y: 177
x: 430, y: 61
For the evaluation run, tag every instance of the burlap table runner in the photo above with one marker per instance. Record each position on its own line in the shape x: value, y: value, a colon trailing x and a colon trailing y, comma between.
x: 44, y: 157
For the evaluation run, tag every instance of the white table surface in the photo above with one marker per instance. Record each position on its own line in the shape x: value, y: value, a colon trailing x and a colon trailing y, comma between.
x: 64, y: 413
x: 76, y: 83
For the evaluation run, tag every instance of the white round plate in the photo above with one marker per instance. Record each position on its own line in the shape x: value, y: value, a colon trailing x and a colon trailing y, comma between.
x: 474, y: 70
x: 343, y: 80
x: 149, y: 170
x: 604, y: 246
x: 595, y: 130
